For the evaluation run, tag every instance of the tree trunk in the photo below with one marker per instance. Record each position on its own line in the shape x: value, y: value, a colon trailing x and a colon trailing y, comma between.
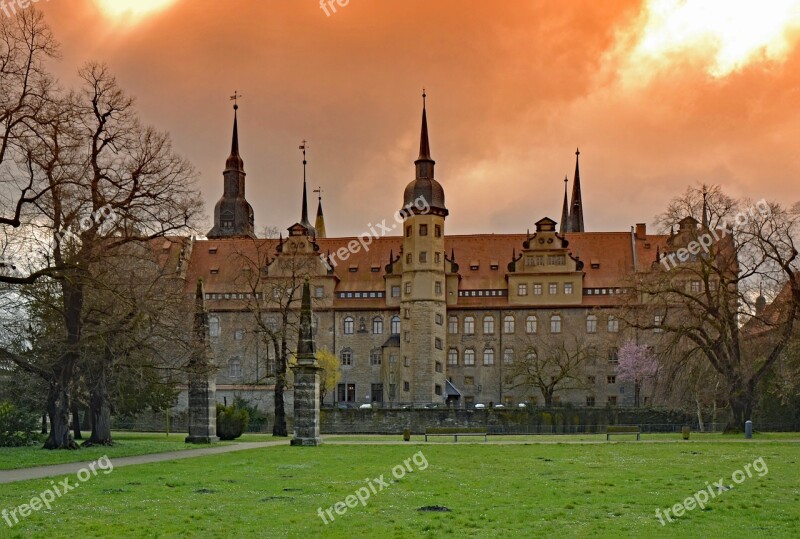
x: 279, y: 428
x: 76, y: 422
x: 44, y: 423
x: 741, y: 401
x: 699, y: 412
x: 100, y: 410
x: 58, y: 410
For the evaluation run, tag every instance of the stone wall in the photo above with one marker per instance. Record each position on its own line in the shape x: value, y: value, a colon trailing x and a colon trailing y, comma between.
x: 530, y: 421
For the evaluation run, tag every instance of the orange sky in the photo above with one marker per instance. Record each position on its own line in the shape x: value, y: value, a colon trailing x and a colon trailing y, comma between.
x: 513, y: 88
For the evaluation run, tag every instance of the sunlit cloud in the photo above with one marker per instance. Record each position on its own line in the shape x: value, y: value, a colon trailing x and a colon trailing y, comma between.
x: 722, y: 36
x: 132, y: 10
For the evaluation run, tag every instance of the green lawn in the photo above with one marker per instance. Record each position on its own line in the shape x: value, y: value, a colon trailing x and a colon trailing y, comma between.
x: 518, y: 490
x: 126, y: 444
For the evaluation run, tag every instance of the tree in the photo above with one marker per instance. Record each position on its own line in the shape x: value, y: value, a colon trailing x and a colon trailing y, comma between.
x: 331, y: 373
x: 551, y: 363
x: 112, y: 183
x: 274, y: 273
x: 637, y: 363
x: 698, y: 296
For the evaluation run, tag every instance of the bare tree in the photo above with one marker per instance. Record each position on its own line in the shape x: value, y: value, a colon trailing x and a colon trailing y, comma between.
x: 550, y: 363
x: 274, y: 273
x: 699, y: 295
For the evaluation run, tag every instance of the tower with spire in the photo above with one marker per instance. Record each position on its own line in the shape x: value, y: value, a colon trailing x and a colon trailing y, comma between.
x: 572, y: 216
x: 304, y: 210
x: 233, y: 215
x: 423, y: 301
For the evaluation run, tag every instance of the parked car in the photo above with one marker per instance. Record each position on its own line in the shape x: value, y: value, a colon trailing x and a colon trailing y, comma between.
x: 365, y: 406
x: 480, y: 406
x: 523, y: 405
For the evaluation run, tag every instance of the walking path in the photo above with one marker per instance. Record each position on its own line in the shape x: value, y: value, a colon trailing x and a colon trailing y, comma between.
x: 24, y: 474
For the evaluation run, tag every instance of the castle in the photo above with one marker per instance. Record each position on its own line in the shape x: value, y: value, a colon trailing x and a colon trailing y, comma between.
x: 424, y: 318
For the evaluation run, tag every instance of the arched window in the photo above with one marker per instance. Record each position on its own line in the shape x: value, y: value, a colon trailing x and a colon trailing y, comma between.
x: 591, y: 324
x: 452, y: 356
x: 235, y: 368
x: 452, y: 325
x: 395, y: 325
x: 488, y: 357
x: 530, y: 355
x: 488, y: 325
x: 531, y: 324
x: 508, y: 356
x: 213, y: 326
x: 555, y: 323
x: 508, y: 324
x: 469, y: 325
x: 613, y: 324
x: 469, y: 356
x: 349, y: 324
x: 377, y: 325
x: 347, y: 357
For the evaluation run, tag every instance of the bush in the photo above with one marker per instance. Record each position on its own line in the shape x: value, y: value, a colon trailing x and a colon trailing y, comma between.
x: 231, y: 421
x: 258, y: 419
x: 18, y: 427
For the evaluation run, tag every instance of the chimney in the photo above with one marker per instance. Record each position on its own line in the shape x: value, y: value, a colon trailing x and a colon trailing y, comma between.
x: 641, y: 231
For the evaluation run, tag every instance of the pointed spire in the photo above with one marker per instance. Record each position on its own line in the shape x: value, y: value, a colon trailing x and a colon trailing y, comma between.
x: 305, y: 340
x: 304, y: 212
x: 705, y: 208
x: 424, y: 162
x: 424, y: 143
x: 200, y: 313
x: 235, y: 161
x: 565, y: 211
x: 319, y: 223
x: 576, y: 206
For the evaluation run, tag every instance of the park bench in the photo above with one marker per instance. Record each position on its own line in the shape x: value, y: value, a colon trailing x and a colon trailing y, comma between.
x: 622, y: 429
x: 455, y: 432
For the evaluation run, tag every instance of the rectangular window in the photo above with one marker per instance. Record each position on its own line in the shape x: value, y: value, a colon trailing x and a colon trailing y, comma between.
x: 408, y: 288
x: 437, y: 257
x: 408, y: 259
x: 612, y: 401
x: 611, y: 379
x: 437, y: 389
x: 657, y: 319
x: 537, y: 289
x: 438, y: 288
x: 423, y: 256
x: 406, y: 387
x: 613, y: 355
x: 376, y: 393
x: 694, y: 286
x: 406, y: 361
x: 590, y: 401
x: 439, y: 367
x: 395, y: 291
x: 452, y: 357
x: 522, y: 290
x: 438, y: 231
x: 469, y: 380
x: 568, y: 288
x: 553, y: 289
x: 346, y: 392
x: 591, y: 380
x: 319, y: 291
x: 408, y: 232
x: 439, y: 319
x: 438, y: 344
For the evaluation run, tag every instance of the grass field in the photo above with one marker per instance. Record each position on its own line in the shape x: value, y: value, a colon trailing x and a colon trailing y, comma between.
x: 519, y: 489
x: 126, y: 444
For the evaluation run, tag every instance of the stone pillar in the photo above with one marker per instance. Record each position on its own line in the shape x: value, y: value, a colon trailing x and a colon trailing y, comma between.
x: 202, y: 387
x: 306, y: 405
x: 306, y: 380
x: 202, y: 410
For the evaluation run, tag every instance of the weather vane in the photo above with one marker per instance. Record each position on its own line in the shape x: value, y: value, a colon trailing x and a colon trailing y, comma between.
x: 235, y: 98
x: 319, y: 193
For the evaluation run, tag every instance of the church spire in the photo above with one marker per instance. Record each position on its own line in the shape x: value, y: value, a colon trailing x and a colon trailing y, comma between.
x: 576, y: 206
x: 304, y: 212
x: 705, y: 209
x: 319, y: 224
x: 564, y: 211
x: 424, y: 162
x: 235, y: 161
